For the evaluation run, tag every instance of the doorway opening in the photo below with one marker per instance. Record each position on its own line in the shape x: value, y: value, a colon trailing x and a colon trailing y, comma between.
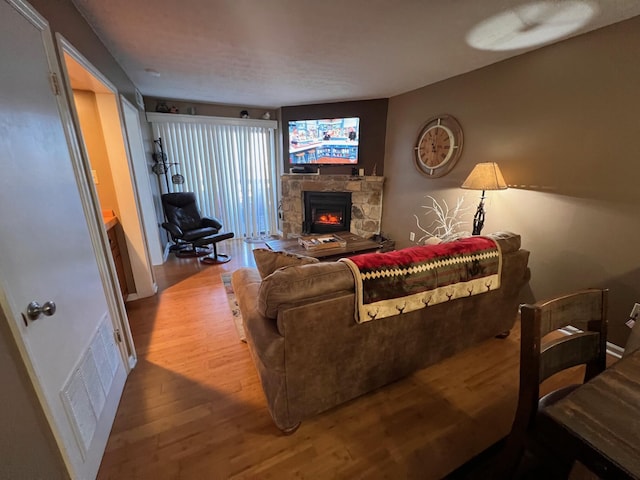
x: 101, y: 128
x: 111, y: 203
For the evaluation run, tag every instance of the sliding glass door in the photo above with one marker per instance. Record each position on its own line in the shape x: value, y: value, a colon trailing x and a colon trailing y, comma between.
x: 230, y: 165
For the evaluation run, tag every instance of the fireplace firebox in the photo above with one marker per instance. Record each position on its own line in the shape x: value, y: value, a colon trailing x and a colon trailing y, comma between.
x: 326, y: 212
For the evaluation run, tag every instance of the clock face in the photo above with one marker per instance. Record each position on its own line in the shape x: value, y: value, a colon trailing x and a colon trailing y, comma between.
x: 436, y: 146
x: 439, y: 146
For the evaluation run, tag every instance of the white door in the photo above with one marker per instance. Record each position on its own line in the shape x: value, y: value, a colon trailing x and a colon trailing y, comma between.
x: 141, y: 175
x: 46, y: 252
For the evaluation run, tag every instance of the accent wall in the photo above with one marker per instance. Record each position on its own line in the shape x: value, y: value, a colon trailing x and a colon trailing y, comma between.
x: 563, y: 123
x: 373, y: 116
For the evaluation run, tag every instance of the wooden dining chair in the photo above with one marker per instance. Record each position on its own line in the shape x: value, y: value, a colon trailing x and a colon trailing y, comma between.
x: 581, y: 318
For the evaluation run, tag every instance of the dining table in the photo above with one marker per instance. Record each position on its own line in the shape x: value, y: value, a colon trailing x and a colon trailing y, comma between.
x: 598, y: 424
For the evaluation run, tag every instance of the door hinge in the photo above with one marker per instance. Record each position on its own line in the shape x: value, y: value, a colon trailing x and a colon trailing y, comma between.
x: 116, y: 333
x: 55, y: 83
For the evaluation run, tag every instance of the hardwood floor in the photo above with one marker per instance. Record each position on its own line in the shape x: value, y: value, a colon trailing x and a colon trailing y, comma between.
x: 193, y: 407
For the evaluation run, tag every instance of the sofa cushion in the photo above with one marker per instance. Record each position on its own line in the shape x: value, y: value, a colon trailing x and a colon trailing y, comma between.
x: 305, y: 283
x: 269, y: 261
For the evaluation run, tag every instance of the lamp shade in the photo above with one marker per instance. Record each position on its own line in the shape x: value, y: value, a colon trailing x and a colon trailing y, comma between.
x: 485, y: 176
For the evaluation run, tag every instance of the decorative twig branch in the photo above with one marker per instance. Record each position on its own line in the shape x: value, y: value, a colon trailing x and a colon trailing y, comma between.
x: 446, y: 223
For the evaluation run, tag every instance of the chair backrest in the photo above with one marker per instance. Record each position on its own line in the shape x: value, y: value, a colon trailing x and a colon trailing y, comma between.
x: 585, y: 310
x: 181, y: 209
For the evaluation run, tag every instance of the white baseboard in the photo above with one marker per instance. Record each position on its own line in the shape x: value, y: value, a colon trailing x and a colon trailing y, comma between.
x: 165, y: 255
x: 612, y: 349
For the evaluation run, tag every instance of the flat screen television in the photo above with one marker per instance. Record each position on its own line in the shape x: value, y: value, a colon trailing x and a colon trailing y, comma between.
x: 328, y: 141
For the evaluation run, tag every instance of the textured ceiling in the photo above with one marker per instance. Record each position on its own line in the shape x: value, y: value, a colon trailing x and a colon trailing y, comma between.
x: 272, y: 53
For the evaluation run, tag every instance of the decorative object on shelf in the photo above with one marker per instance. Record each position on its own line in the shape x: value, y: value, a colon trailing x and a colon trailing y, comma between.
x: 266, y: 116
x: 447, y: 222
x: 484, y: 176
x: 174, y: 109
x: 439, y: 146
x: 162, y: 107
x: 244, y: 114
x: 163, y: 166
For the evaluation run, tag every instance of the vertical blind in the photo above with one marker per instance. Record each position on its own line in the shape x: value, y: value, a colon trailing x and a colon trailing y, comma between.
x: 229, y: 164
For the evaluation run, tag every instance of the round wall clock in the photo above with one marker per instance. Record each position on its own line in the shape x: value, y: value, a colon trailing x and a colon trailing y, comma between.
x: 439, y: 146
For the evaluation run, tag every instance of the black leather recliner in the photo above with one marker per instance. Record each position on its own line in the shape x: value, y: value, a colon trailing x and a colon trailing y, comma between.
x: 191, y: 232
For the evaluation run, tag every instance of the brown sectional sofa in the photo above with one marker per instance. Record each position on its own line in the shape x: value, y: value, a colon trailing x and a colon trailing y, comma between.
x: 311, y: 355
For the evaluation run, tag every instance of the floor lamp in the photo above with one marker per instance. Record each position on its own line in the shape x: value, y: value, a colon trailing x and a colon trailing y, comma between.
x: 484, y: 176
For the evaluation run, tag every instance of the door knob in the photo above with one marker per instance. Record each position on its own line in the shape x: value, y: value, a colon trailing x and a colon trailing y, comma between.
x: 34, y: 310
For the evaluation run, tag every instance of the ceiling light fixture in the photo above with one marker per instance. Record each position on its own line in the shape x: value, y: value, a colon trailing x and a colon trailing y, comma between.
x: 531, y: 24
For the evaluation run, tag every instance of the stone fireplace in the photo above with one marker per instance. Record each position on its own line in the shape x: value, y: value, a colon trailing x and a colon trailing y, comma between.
x: 366, y: 203
x: 326, y: 212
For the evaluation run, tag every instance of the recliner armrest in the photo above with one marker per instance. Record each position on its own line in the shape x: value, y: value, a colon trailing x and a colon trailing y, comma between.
x: 173, y: 229
x: 211, y: 222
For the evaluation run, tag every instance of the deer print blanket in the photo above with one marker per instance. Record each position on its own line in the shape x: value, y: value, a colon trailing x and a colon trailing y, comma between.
x: 401, y: 281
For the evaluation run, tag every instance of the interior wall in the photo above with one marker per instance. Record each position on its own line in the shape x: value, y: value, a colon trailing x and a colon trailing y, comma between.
x: 154, y: 180
x: 96, y: 133
x: 66, y: 20
x: 93, y: 136
x: 562, y: 123
x: 124, y: 186
x: 140, y: 170
x: 373, y: 118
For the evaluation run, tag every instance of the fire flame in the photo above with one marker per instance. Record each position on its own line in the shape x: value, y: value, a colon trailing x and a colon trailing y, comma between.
x: 329, y: 218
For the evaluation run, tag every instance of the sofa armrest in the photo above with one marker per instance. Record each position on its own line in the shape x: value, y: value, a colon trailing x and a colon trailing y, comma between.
x: 262, y: 333
x: 508, y: 241
x: 246, y: 283
x: 296, y: 284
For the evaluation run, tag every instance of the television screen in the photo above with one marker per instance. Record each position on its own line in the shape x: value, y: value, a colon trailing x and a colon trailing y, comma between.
x: 331, y: 141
